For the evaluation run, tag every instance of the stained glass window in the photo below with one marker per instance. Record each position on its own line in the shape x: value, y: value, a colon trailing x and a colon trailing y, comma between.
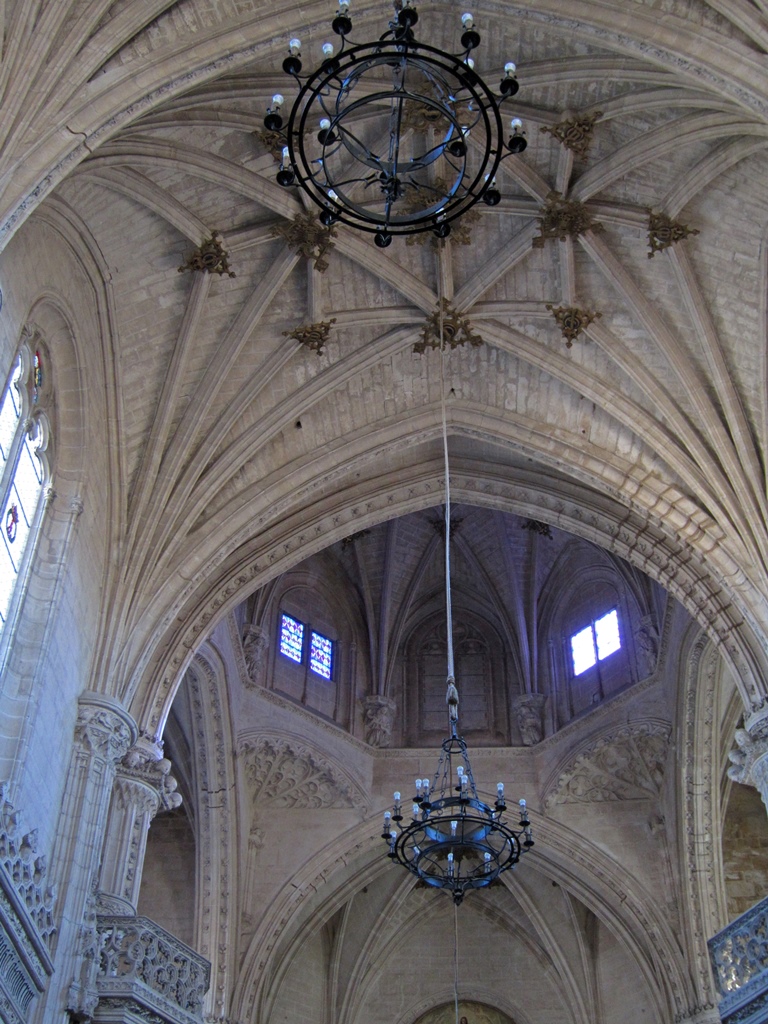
x: 23, y: 437
x: 595, y: 642
x: 321, y: 655
x: 291, y: 638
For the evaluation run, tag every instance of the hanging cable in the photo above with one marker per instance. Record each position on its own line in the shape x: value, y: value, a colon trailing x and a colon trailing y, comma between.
x: 456, y: 960
x: 452, y: 696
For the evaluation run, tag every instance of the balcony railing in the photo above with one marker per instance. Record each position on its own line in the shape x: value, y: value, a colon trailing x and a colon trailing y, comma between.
x: 143, y: 965
x: 739, y: 956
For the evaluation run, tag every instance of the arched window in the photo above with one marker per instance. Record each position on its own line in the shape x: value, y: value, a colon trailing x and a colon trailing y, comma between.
x: 24, y: 472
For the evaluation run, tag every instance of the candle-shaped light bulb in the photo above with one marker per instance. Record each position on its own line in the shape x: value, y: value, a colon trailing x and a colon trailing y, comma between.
x: 416, y: 810
x: 419, y: 784
x: 515, y: 124
x: 327, y: 50
x: 286, y: 155
x: 470, y: 63
x: 295, y: 47
x: 397, y: 798
x: 393, y: 837
x: 522, y: 806
x: 467, y: 21
x: 487, y: 865
x: 277, y: 101
x: 450, y: 865
x: 454, y: 826
x: 425, y: 783
x: 325, y: 124
x: 343, y: 6
x: 460, y: 770
x: 332, y: 196
x: 510, y: 68
x: 500, y: 790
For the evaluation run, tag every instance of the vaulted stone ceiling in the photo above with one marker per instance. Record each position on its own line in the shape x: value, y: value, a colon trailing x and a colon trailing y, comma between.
x: 241, y: 451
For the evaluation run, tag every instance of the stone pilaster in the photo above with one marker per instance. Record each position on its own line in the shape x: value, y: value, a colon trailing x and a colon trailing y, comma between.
x: 103, y: 734
x: 749, y: 761
x: 143, y: 785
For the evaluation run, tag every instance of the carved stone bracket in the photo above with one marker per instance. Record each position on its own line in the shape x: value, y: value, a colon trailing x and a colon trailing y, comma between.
x: 312, y: 336
x: 529, y: 712
x: 209, y: 257
x: 287, y: 774
x: 571, y: 320
x: 535, y: 526
x: 626, y: 765
x: 308, y: 237
x: 379, y: 717
x: 563, y: 218
x: 749, y: 762
x: 446, y: 327
x: 664, y: 232
x: 576, y: 132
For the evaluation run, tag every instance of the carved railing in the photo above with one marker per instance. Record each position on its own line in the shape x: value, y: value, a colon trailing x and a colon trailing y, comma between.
x: 739, y: 956
x: 26, y: 917
x: 143, y: 966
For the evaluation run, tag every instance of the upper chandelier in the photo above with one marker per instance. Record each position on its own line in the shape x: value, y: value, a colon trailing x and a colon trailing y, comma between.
x: 394, y: 137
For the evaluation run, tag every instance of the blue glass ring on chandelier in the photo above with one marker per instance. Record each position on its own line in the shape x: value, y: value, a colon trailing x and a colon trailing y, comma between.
x: 455, y: 840
x: 394, y: 137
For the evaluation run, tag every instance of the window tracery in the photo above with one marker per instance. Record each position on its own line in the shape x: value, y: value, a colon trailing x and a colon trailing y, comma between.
x: 24, y: 472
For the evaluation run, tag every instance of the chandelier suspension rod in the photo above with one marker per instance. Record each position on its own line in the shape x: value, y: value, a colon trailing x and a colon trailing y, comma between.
x: 448, y: 607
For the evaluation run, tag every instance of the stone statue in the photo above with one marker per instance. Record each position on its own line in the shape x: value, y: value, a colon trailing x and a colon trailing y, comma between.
x: 529, y: 712
x: 379, y: 715
x: 646, y: 646
x: 255, y: 646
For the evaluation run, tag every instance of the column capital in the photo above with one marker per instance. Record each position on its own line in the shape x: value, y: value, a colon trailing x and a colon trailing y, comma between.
x: 749, y: 761
x: 103, y: 726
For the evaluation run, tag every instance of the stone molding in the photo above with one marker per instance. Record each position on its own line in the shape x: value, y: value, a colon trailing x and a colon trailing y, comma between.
x: 26, y: 917
x: 144, y: 970
x: 286, y: 774
x: 628, y: 764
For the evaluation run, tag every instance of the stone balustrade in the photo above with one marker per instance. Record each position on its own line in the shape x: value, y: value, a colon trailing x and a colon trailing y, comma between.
x: 739, y: 955
x: 144, y: 968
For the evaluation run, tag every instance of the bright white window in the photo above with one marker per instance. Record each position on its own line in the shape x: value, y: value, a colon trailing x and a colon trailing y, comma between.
x: 595, y: 642
x: 23, y: 471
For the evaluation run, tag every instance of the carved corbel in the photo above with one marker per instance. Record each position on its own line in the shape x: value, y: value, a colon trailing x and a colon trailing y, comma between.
x: 749, y: 762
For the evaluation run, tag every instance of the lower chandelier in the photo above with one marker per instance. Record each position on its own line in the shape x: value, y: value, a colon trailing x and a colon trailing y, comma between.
x: 456, y: 842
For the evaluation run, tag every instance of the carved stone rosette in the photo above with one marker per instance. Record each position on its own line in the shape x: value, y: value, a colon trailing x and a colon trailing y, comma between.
x: 529, y: 713
x: 572, y: 321
x: 312, y: 336
x: 576, y: 132
x: 143, y: 784
x: 446, y: 328
x: 563, y: 218
x: 379, y: 717
x: 309, y: 238
x: 210, y: 257
x: 664, y: 232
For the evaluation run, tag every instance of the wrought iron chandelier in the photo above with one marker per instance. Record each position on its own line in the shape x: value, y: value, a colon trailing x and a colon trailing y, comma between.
x: 394, y: 137
x: 454, y: 840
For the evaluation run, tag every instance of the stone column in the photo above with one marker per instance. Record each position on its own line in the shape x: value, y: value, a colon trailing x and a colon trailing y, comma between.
x: 749, y: 761
x: 103, y: 733
x: 143, y: 785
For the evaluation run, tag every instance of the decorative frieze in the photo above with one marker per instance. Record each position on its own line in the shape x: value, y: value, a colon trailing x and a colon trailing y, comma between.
x: 563, y: 218
x: 308, y: 237
x: 446, y: 327
x: 289, y: 775
x: 627, y: 765
x: 147, y: 972
x: 575, y: 133
x: 664, y: 232
x: 210, y: 257
x: 312, y: 336
x: 572, y: 321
